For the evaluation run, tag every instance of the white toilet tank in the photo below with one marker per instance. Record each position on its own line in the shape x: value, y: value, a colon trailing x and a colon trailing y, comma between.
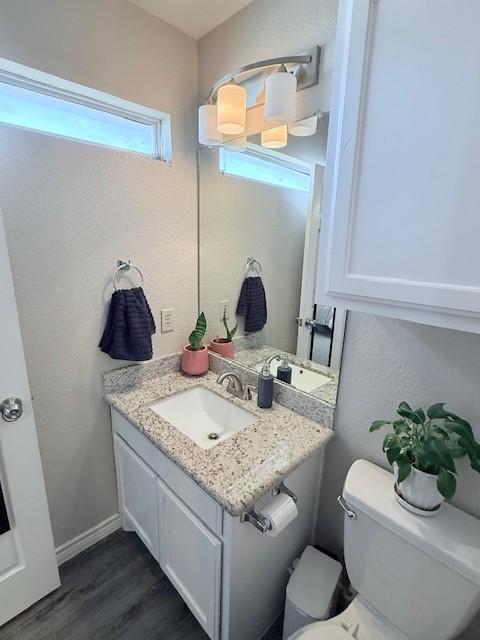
x: 420, y: 573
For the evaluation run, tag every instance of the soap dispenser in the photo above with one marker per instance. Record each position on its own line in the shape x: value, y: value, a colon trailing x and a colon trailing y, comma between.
x: 284, y: 371
x: 265, y: 385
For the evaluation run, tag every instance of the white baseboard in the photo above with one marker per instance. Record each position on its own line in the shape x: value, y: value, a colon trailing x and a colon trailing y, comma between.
x: 88, y: 538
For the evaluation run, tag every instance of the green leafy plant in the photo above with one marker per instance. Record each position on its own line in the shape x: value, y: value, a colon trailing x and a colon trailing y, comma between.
x: 230, y: 333
x: 197, y: 335
x: 429, y: 442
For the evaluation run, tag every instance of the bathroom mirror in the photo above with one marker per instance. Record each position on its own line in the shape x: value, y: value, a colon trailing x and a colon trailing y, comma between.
x: 259, y: 224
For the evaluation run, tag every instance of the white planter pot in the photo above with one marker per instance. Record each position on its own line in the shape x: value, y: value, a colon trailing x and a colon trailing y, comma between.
x: 420, y: 489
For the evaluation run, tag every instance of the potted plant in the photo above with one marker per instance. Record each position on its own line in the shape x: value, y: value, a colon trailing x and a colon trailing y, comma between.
x: 195, y: 355
x: 224, y: 346
x: 423, y: 448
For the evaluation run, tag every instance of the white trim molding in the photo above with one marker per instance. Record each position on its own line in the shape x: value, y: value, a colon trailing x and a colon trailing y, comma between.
x: 88, y: 538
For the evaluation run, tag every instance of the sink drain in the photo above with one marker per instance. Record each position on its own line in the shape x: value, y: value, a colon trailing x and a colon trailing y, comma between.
x: 213, y: 436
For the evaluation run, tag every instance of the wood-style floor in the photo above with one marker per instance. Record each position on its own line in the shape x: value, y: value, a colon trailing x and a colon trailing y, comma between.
x: 113, y: 591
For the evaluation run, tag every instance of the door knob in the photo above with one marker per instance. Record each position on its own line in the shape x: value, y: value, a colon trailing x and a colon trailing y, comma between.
x: 11, y: 409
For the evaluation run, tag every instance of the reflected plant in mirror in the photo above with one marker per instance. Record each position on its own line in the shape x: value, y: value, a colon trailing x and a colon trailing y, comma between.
x: 224, y: 346
x: 259, y: 241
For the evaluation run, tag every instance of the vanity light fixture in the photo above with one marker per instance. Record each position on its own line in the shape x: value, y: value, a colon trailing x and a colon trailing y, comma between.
x: 280, y: 97
x: 224, y: 115
x: 302, y: 128
x: 275, y: 138
x: 231, y: 109
x: 208, y: 134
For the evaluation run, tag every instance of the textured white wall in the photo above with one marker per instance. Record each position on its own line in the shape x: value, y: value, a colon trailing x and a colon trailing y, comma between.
x: 72, y: 209
x: 241, y: 218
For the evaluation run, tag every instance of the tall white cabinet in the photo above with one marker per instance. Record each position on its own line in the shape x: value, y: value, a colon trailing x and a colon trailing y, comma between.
x: 401, y: 223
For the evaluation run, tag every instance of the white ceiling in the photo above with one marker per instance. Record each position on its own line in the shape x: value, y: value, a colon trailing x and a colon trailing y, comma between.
x: 193, y: 17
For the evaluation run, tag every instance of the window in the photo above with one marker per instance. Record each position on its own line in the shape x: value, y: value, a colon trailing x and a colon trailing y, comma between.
x: 275, y: 169
x: 40, y: 102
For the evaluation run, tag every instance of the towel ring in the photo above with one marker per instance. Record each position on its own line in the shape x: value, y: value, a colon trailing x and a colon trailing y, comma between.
x: 125, y: 266
x: 253, y: 264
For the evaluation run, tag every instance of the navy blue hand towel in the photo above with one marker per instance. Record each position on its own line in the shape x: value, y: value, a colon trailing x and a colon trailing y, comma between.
x: 252, y: 304
x: 130, y: 326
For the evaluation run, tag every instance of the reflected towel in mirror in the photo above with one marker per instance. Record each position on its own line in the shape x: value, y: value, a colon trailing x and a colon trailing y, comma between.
x: 252, y: 304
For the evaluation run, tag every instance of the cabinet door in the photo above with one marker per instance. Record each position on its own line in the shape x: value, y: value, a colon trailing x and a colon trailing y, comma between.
x: 402, y: 187
x: 136, y: 489
x: 190, y: 555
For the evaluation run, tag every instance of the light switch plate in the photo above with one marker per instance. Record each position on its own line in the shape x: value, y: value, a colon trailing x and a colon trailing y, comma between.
x: 168, y: 320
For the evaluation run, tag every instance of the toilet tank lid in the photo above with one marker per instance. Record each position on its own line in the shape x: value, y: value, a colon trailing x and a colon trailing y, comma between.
x: 312, y: 584
x: 452, y: 537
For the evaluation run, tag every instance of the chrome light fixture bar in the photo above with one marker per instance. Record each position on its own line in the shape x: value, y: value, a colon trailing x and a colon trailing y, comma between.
x: 307, y: 76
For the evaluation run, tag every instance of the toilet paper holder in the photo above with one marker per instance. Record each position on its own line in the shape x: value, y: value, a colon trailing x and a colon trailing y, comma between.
x: 258, y: 521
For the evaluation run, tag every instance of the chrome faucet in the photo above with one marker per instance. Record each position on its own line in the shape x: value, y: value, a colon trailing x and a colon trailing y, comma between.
x: 235, y: 385
x: 270, y: 359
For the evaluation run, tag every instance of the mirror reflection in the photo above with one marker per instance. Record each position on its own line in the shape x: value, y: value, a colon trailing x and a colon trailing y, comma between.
x: 260, y: 223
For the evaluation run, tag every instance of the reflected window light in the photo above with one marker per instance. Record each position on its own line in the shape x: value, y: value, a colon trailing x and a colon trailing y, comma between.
x: 264, y: 169
x: 44, y: 113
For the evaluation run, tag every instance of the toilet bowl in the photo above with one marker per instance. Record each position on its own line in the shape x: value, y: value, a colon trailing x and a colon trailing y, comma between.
x: 416, y: 578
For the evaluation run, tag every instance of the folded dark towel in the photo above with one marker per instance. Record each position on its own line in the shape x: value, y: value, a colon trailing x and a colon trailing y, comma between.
x: 4, y: 524
x: 129, y: 328
x: 252, y: 304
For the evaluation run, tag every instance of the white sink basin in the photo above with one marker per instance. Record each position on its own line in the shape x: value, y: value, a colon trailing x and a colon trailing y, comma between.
x: 203, y: 416
x: 303, y: 379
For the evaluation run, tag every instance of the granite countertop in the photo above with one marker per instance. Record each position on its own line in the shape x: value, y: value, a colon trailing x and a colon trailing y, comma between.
x: 238, y: 470
x: 251, y: 357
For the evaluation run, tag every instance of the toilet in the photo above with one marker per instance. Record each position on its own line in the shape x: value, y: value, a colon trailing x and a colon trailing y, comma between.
x: 417, y: 578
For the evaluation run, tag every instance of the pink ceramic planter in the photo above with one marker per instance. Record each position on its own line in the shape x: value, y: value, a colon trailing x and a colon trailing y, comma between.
x: 222, y: 347
x: 194, y: 363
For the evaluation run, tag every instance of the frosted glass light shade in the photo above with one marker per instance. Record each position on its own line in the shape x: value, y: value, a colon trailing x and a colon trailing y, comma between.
x: 207, y: 126
x: 231, y: 109
x: 302, y: 128
x: 280, y: 98
x: 275, y: 138
x: 236, y: 144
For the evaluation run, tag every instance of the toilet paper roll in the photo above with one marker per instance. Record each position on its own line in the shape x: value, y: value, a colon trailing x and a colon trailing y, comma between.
x: 279, y: 512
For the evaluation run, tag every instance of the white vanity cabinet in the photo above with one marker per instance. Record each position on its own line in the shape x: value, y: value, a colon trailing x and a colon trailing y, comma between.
x: 232, y: 577
x: 401, y: 223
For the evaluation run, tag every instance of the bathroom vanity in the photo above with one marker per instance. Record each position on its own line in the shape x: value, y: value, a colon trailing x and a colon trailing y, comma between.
x: 187, y: 502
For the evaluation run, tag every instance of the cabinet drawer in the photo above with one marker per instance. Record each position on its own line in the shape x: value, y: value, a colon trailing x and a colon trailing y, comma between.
x: 209, y: 511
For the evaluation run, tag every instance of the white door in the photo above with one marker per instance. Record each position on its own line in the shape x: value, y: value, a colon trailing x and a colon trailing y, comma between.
x: 312, y: 282
x: 191, y: 557
x: 312, y: 231
x: 28, y: 567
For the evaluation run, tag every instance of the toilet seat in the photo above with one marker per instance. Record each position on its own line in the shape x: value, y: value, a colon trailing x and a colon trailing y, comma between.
x: 322, y: 631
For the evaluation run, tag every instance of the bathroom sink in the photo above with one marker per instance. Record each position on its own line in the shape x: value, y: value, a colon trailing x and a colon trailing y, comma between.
x: 303, y: 379
x: 203, y: 416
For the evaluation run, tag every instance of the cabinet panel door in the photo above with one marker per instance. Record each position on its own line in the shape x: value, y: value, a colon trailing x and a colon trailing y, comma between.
x: 191, y: 556
x: 137, y: 495
x: 402, y: 187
